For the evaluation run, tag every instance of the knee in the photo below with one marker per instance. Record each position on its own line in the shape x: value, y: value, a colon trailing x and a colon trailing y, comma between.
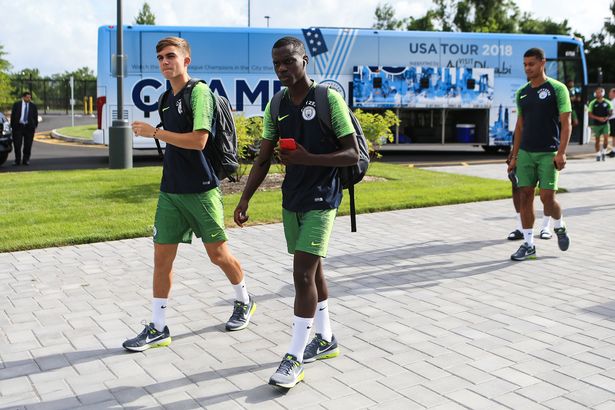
x: 302, y: 280
x: 217, y: 258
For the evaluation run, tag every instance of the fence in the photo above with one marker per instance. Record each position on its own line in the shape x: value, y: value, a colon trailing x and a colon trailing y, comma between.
x: 52, y: 96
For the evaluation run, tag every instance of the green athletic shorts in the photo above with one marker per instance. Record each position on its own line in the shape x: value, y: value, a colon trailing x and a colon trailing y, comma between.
x: 537, y: 166
x: 308, y: 231
x: 598, y: 130
x: 179, y: 215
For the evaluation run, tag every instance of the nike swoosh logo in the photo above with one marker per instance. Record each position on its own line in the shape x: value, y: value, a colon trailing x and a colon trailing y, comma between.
x: 163, y: 307
x: 321, y: 309
x: 315, y: 244
x: 213, y: 235
x: 165, y: 108
x: 523, y: 96
x: 281, y: 118
x: 147, y: 339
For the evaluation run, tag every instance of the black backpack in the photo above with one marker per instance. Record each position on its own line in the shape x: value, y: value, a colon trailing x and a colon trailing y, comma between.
x: 221, y: 147
x: 350, y: 175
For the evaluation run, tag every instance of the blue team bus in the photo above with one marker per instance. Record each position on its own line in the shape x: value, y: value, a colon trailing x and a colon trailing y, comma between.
x: 447, y: 88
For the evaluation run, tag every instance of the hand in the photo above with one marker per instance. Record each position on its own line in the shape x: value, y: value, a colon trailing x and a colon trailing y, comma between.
x: 559, y: 161
x: 299, y: 156
x: 241, y: 213
x: 512, y: 164
x: 142, y: 129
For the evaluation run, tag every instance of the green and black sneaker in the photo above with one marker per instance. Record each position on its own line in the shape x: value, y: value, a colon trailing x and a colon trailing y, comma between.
x: 148, y: 338
x: 319, y: 349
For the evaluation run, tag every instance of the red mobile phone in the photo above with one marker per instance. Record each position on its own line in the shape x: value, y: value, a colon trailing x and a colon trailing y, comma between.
x: 288, y: 144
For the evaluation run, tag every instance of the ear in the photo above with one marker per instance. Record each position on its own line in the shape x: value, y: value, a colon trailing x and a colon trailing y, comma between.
x: 187, y: 61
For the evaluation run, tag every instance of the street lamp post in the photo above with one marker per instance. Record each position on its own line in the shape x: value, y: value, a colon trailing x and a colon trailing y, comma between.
x: 267, y: 17
x: 248, y: 13
x: 120, y: 135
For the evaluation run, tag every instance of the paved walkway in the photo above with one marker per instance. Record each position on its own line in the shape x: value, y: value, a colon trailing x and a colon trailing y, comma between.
x: 428, y: 308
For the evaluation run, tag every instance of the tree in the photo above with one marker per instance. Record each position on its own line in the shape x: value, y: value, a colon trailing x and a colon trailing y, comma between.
x: 487, y: 16
x: 600, y: 48
x: 377, y: 128
x: 145, y: 16
x: 6, y: 98
x: 385, y: 18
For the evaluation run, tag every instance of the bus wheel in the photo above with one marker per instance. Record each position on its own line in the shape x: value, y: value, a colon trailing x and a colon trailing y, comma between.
x: 3, y: 156
x: 490, y: 149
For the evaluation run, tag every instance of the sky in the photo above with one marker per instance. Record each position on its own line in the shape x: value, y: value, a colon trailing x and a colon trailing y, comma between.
x: 61, y: 35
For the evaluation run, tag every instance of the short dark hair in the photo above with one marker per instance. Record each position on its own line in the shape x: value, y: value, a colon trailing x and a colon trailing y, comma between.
x: 292, y: 41
x: 178, y: 42
x: 535, y: 52
x: 26, y: 93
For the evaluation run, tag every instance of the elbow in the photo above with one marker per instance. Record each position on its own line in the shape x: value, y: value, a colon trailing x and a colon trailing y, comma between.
x: 202, y: 141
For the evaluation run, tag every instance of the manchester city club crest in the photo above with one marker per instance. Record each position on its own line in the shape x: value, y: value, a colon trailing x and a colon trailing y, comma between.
x: 543, y: 93
x: 308, y: 112
x: 179, y: 106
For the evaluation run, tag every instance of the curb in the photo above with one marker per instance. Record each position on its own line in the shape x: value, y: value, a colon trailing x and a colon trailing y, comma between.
x: 55, y: 134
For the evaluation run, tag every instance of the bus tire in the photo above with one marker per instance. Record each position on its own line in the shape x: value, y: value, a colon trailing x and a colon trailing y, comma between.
x: 489, y: 149
x: 3, y: 157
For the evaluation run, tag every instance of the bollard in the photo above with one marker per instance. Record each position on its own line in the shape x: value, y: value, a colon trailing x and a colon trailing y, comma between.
x: 120, y: 145
x: 91, y: 105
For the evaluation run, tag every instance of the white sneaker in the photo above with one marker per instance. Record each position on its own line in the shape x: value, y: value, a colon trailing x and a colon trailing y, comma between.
x: 545, y: 233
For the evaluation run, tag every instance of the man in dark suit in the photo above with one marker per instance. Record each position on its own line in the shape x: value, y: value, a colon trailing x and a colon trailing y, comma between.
x: 24, y: 120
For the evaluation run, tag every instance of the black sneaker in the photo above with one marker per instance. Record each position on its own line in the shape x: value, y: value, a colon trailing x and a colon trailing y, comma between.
x: 524, y: 252
x: 319, y: 348
x: 242, y: 312
x: 289, y: 373
x: 515, y: 235
x: 148, y: 338
x: 611, y: 154
x: 563, y: 240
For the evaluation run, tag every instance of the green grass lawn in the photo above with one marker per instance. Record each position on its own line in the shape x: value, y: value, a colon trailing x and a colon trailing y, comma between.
x: 54, y: 208
x: 80, y: 131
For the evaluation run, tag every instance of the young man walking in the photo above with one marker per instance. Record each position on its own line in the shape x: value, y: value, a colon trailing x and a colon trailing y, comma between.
x: 539, y: 149
x: 311, y: 195
x: 190, y: 200
x: 599, y: 111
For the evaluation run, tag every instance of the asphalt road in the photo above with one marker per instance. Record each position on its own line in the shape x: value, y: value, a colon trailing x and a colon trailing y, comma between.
x: 52, y: 154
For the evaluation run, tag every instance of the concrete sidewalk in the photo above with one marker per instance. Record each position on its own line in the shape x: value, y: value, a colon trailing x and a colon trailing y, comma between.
x: 427, y: 307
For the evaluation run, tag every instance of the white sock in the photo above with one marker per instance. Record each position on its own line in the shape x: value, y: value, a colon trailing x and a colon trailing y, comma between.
x: 519, y: 225
x: 559, y: 223
x: 159, y: 308
x: 241, y: 292
x: 301, y: 336
x: 322, y: 323
x: 528, y: 235
x: 545, y: 222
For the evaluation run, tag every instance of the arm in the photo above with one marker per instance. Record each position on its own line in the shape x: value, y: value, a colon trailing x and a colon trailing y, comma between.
x: 259, y: 168
x: 512, y: 158
x: 347, y: 155
x: 255, y: 179
x: 560, y: 157
x: 190, y: 140
x: 35, y: 115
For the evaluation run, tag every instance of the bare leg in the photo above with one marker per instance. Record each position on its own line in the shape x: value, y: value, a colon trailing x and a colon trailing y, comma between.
x: 527, y: 207
x: 221, y: 256
x: 551, y: 206
x: 164, y: 255
x: 305, y: 266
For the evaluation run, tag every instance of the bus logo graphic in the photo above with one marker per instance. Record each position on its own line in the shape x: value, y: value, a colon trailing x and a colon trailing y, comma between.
x: 330, y: 64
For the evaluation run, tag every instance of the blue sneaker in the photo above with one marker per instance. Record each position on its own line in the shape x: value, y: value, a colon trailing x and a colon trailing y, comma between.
x: 563, y: 240
x: 148, y: 338
x: 319, y: 349
x: 289, y: 373
x: 524, y: 252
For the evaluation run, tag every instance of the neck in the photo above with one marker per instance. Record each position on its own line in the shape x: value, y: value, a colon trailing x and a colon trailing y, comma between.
x: 177, y: 83
x: 299, y: 90
x: 538, y: 80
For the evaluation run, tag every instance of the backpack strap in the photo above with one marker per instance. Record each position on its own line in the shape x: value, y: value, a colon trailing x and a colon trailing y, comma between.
x: 323, y: 109
x: 274, y: 107
x: 161, y: 101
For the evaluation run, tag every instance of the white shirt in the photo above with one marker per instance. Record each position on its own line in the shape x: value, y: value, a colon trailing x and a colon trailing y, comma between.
x: 613, y: 113
x: 22, y: 119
